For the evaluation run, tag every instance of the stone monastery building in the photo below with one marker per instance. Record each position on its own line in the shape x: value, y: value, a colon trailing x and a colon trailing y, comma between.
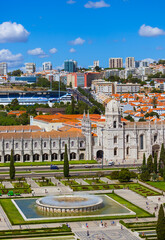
x: 89, y: 137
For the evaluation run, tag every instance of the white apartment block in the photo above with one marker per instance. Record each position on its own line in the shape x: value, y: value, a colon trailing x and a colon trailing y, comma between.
x: 3, y: 68
x: 47, y: 66
x: 96, y: 63
x: 115, y: 62
x: 30, y: 67
x: 130, y: 62
x: 112, y: 72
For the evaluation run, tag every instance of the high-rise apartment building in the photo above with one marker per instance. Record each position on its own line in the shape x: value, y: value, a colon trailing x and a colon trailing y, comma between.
x: 115, y: 63
x: 70, y: 66
x: 96, y: 63
x: 3, y: 68
x: 47, y: 66
x: 130, y: 62
x: 30, y: 67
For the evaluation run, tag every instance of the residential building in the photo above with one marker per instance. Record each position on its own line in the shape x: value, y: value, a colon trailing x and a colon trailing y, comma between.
x: 115, y: 63
x: 3, y: 68
x: 137, y: 64
x: 30, y: 68
x: 75, y: 80
x: 47, y: 66
x: 130, y: 62
x: 70, y: 66
x: 96, y: 63
x: 112, y: 72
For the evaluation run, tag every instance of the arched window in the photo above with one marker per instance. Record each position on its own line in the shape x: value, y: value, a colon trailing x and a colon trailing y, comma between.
x: 62, y: 156
x: 63, y: 144
x: 45, y: 156
x: 44, y: 144
x: 141, y: 141
x: 114, y: 124
x: 72, y: 143
x: 82, y: 156
x: 115, y: 151
x: 35, y: 144
x: 72, y: 156
x: 54, y: 144
x: 26, y: 145
x: 54, y: 156
x: 127, y: 151
x: 127, y: 138
x: 17, y: 158
x: 115, y: 139
x: 36, y: 157
x: 26, y: 157
x: 7, y: 158
x: 16, y: 145
x: 155, y: 137
x: 7, y: 145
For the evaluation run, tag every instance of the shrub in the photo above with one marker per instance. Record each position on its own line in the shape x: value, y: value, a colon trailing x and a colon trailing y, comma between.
x: 114, y: 175
x: 124, y: 175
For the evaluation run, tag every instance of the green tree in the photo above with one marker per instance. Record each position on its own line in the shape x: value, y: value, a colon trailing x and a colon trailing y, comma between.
x: 160, y: 228
x: 12, y: 167
x: 161, y: 158
x: 14, y: 105
x: 66, y: 163
x: 124, y: 175
x: 150, y: 164
x: 72, y: 106
x: 144, y: 159
x: 155, y: 163
x: 145, y: 176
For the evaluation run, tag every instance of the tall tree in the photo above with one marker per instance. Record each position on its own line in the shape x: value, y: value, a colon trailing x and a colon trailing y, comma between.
x: 66, y: 163
x: 150, y: 164
x: 160, y: 228
x: 144, y: 159
x: 12, y: 167
x: 72, y: 106
x: 155, y: 163
x: 162, y: 158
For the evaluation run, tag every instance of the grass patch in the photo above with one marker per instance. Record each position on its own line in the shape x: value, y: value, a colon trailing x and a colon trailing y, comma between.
x: 159, y: 185
x: 49, y: 163
x: 70, y: 182
x: 20, y: 185
x: 94, y: 181
x: 44, y: 183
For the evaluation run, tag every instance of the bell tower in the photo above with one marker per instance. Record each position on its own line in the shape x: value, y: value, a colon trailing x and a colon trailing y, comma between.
x: 113, y: 114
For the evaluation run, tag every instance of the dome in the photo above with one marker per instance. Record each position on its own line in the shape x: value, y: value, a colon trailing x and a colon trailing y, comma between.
x: 113, y: 107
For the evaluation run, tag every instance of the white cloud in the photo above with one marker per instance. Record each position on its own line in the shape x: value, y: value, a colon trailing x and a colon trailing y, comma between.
x: 71, y: 2
x: 100, y: 4
x: 13, y: 32
x: 159, y: 48
x: 72, y: 50
x: 148, y: 31
x: 37, y: 52
x: 53, y: 50
x: 77, y: 41
x: 149, y: 60
x: 13, y: 60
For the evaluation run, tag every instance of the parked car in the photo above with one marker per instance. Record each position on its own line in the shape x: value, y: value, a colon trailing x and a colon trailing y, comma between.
x: 54, y: 167
x: 111, y: 163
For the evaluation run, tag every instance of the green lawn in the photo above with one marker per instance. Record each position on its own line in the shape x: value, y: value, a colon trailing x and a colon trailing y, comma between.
x: 159, y: 185
x: 70, y: 182
x: 47, y: 182
x: 94, y: 181
x: 20, y: 185
x: 49, y: 163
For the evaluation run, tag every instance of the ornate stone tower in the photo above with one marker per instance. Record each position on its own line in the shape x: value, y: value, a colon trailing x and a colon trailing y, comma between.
x: 87, y: 131
x: 113, y: 114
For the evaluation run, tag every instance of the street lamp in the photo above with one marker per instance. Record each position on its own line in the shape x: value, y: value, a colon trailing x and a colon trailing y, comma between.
x: 102, y: 147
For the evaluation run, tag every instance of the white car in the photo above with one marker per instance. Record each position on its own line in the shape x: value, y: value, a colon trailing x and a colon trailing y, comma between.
x: 111, y: 163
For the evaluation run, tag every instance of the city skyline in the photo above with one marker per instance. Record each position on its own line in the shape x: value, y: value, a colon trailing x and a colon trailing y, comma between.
x: 87, y: 30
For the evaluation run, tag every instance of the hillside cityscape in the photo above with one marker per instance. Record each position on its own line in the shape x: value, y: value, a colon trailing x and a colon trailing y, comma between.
x: 82, y: 120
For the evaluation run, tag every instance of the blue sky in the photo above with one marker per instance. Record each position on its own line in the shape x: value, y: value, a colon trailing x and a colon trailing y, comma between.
x: 81, y: 30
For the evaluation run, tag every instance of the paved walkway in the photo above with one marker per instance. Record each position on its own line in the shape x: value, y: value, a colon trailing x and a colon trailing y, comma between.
x: 31, y: 182
x: 7, y: 184
x: 81, y: 181
x: 137, y: 199
x: 107, y: 180
x: 4, y: 223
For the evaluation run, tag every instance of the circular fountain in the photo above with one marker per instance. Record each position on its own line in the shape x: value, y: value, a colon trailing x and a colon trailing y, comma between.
x: 69, y: 203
